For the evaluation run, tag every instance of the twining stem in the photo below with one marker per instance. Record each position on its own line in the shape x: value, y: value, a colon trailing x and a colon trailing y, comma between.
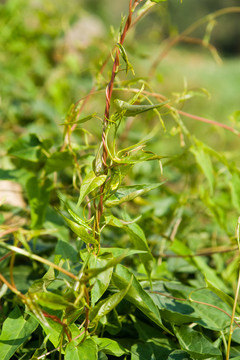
x: 109, y: 90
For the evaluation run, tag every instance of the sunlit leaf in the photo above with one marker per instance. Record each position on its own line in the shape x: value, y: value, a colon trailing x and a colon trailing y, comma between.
x: 90, y: 183
x: 86, y: 350
x: 102, y: 280
x: 80, y: 231
x: 128, y: 193
x: 15, y: 331
x: 110, y: 347
x: 108, y: 304
x: 51, y: 300
x: 196, y: 344
x: 136, y: 294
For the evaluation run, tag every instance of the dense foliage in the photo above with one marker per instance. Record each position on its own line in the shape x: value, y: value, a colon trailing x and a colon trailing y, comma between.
x: 121, y: 236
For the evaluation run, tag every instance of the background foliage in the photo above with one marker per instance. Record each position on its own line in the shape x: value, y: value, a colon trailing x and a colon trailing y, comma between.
x: 163, y: 284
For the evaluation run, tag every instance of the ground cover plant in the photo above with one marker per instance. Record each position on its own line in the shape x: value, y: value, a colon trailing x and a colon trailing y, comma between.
x: 124, y: 242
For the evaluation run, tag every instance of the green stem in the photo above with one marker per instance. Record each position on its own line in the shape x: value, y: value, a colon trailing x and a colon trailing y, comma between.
x: 38, y: 258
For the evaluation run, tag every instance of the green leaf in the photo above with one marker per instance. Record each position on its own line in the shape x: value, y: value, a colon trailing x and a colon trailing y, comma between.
x: 174, y: 311
x: 149, y: 351
x: 42, y: 284
x: 66, y: 251
x: 204, y: 161
x: 58, y: 161
x: 128, y: 193
x: 137, y: 295
x: 86, y: 350
x: 138, y: 238
x: 110, y: 347
x: 38, y: 193
x: 101, y: 281
x: 72, y: 119
x: 80, y: 231
x: 196, y: 344
x: 90, y: 183
x: 107, y: 305
x: 125, y: 58
x: 27, y: 148
x: 210, y: 317
x: 119, y: 252
x: 222, y: 295
x: 236, y: 335
x: 178, y: 355
x: 51, y: 300
x: 179, y: 248
x: 133, y: 110
x: 15, y: 331
x: 54, y: 331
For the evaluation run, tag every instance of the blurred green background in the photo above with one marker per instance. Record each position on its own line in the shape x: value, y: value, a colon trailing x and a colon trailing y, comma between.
x: 51, y: 52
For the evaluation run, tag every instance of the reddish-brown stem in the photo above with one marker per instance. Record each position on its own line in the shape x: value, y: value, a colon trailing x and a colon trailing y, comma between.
x: 6, y: 256
x: 109, y: 90
x: 8, y: 231
x: 57, y: 320
x: 212, y: 122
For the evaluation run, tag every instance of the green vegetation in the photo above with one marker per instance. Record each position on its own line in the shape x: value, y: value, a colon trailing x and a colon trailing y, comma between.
x: 119, y: 225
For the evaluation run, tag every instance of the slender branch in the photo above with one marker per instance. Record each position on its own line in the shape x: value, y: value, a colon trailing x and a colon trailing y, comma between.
x: 191, y: 116
x: 109, y: 91
x: 39, y: 259
x: 208, y: 121
x: 173, y: 41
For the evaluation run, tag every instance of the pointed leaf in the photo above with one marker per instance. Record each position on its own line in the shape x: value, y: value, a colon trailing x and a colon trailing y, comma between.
x: 107, y: 305
x: 51, y: 300
x: 136, y: 294
x: 101, y: 281
x: 90, y: 183
x: 139, y: 240
x: 80, y: 231
x: 128, y: 193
